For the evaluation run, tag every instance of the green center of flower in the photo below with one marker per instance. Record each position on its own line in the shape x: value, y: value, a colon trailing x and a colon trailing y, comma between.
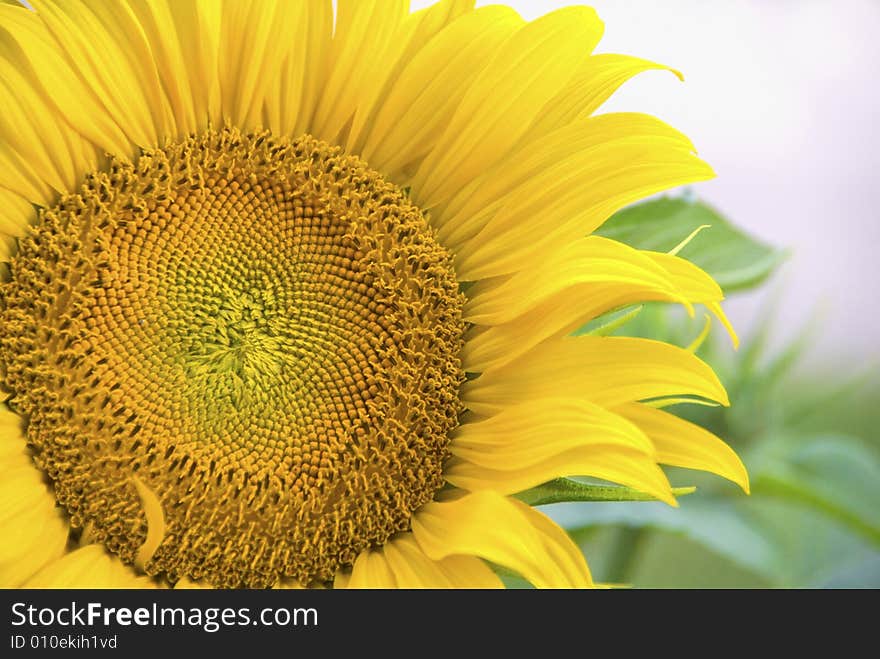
x: 261, y: 335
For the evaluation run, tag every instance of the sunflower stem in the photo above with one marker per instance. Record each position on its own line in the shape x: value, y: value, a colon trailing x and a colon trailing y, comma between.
x: 561, y: 490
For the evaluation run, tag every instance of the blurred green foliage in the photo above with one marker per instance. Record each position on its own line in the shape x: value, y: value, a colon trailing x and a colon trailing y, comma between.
x: 809, y: 441
x: 807, y: 436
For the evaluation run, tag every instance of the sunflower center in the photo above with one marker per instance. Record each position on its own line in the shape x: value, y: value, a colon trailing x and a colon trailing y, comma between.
x: 262, y: 334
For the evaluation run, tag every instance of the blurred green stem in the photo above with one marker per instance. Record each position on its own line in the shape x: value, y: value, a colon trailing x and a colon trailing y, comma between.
x: 628, y: 546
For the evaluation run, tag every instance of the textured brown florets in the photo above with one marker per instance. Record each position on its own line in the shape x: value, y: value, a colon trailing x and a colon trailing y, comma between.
x: 263, y: 332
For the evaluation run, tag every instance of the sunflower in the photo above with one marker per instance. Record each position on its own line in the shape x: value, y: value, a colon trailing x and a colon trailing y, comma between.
x: 289, y: 296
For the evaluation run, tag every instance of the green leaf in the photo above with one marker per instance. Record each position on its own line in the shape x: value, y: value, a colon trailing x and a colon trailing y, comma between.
x: 561, y: 490
x: 672, y: 560
x: 833, y: 474
x: 783, y: 542
x: 735, y: 259
x: 716, y: 523
x: 812, y: 548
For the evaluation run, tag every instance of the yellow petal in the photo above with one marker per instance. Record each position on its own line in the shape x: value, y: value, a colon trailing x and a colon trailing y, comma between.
x: 475, y: 205
x: 414, y: 32
x: 33, y: 530
x: 608, y: 371
x: 559, y: 546
x: 155, y: 522
x: 364, y: 30
x: 489, y: 348
x: 88, y: 567
x: 410, y: 566
x: 290, y: 101
x: 684, y: 444
x: 505, y: 532
x: 184, y: 39
x: 108, y: 62
x: 45, y: 144
x: 130, y: 49
x: 536, y: 429
x: 584, y: 279
x: 16, y: 213
x: 531, y: 67
x: 426, y: 23
x: 715, y: 308
x: 469, y: 572
x: 619, y: 464
x: 538, y: 440
x: 342, y: 579
x: 371, y: 570
x: 421, y: 102
x: 26, y: 42
x: 413, y: 569
x: 557, y: 205
x: 18, y: 176
x: 257, y: 39
x: 7, y: 246
x: 588, y: 261
x: 320, y: 40
x: 696, y: 285
x: 596, y: 80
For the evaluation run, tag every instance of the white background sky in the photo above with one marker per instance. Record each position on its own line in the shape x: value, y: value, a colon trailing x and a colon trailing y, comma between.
x: 781, y: 97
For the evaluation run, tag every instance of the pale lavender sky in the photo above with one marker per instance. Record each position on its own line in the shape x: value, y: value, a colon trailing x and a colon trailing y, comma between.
x: 781, y: 97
